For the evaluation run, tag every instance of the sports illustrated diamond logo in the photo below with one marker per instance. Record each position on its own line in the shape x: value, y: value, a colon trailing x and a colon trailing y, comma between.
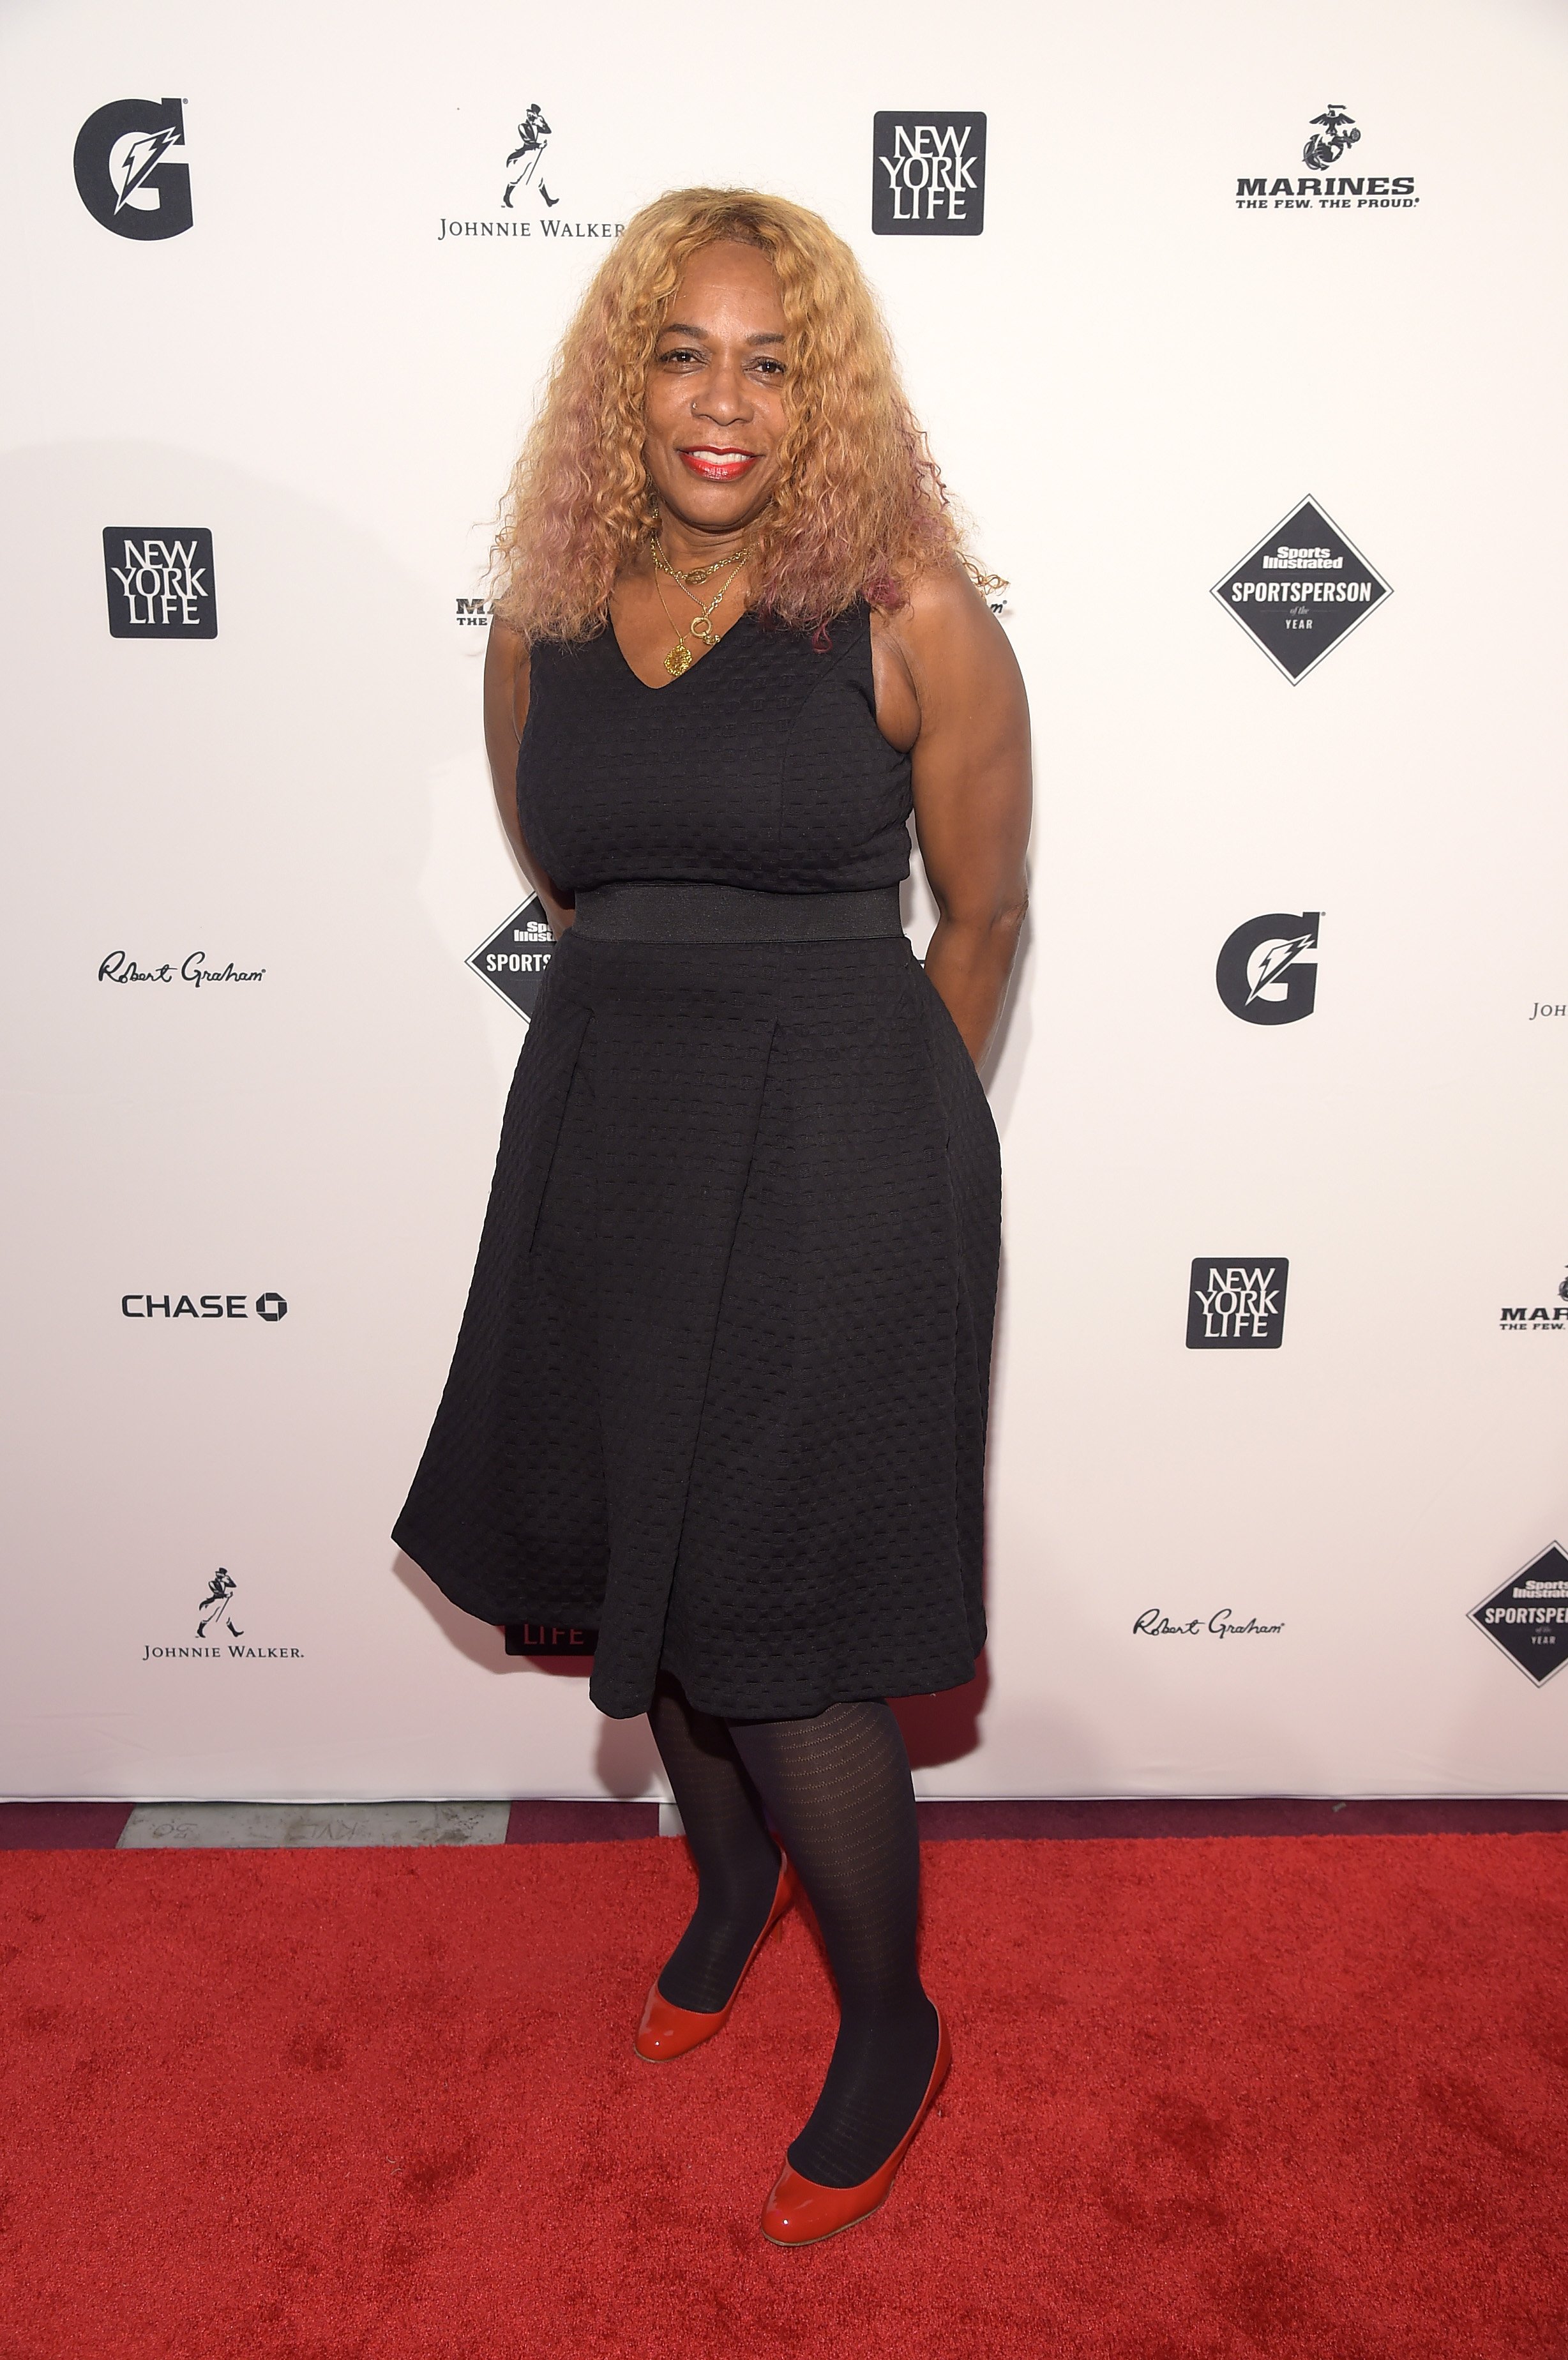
x: 160, y: 582
x: 1301, y: 590
x: 1267, y: 971
x: 516, y: 960
x: 927, y: 175
x: 123, y: 174
x: 1238, y: 1302
x: 1542, y: 1319
x: 1527, y: 1618
x: 1331, y: 136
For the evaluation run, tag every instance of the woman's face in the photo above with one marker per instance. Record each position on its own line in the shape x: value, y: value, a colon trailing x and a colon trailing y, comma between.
x: 714, y: 410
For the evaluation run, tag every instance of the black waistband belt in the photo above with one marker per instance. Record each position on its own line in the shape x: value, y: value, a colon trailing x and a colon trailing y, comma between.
x: 733, y: 913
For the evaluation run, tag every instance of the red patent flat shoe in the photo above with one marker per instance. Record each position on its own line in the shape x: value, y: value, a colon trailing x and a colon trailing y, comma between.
x: 800, y: 2212
x: 668, y: 2031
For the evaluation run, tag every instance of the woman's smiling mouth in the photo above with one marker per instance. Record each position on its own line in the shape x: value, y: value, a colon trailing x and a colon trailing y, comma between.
x: 718, y: 466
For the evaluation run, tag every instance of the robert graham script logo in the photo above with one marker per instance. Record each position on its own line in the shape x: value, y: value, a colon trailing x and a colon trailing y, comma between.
x: 1300, y: 589
x: 160, y: 582
x: 1222, y: 1624
x: 1236, y: 1303
x: 528, y: 206
x: 218, y: 1637
x: 1330, y: 137
x: 927, y: 175
x: 516, y: 960
x: 1267, y: 971
x: 1527, y: 1618
x: 120, y: 967
x: 126, y: 175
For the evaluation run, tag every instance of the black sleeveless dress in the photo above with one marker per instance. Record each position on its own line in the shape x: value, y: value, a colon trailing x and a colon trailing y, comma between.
x: 720, y: 1389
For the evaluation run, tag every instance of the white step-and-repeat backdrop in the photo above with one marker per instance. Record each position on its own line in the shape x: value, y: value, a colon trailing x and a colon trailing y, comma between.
x: 1239, y: 332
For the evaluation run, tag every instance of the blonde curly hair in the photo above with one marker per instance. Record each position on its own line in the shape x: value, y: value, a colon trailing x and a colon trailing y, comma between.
x: 860, y: 508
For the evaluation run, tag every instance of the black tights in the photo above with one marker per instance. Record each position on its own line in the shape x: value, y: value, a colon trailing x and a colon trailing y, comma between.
x: 837, y: 1789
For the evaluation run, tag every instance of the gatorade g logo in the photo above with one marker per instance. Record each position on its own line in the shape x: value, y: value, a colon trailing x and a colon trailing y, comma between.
x: 123, y: 174
x: 1265, y: 974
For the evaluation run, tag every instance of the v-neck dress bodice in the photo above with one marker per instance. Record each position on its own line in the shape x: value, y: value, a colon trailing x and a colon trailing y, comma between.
x: 762, y: 766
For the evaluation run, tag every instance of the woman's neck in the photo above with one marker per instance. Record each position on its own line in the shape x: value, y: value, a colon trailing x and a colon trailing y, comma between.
x: 686, y: 548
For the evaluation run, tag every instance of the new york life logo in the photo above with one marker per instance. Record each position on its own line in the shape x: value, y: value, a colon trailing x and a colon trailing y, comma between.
x: 1300, y: 589
x: 125, y: 174
x: 1236, y: 1303
x: 158, y: 578
x: 1266, y: 972
x: 927, y: 175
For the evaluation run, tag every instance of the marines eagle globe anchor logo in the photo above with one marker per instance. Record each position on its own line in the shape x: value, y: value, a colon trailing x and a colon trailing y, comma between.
x: 1332, y: 132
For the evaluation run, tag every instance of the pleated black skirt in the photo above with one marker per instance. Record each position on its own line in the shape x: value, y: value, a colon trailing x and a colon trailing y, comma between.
x: 721, y: 1385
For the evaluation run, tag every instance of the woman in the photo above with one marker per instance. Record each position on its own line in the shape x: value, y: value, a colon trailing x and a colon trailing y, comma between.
x: 720, y: 1390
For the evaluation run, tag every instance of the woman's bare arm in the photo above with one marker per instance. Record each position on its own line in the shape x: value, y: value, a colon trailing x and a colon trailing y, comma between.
x: 971, y: 790
x: 505, y: 710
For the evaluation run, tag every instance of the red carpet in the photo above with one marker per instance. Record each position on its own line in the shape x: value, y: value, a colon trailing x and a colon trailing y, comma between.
x: 1296, y: 2097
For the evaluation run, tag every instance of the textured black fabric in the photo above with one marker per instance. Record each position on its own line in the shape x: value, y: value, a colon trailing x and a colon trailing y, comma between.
x: 763, y: 765
x: 726, y: 1831
x: 838, y: 1790
x: 720, y: 1388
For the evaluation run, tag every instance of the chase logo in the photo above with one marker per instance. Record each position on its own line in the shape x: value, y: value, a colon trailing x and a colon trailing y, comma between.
x: 124, y: 174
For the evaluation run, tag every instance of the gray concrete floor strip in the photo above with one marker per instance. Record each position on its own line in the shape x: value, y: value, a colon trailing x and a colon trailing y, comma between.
x: 290, y: 1827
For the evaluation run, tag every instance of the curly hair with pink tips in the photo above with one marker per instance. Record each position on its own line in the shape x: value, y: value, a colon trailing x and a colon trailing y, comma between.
x: 861, y: 509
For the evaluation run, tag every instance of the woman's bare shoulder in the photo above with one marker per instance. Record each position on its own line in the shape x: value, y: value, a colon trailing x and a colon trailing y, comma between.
x: 945, y: 624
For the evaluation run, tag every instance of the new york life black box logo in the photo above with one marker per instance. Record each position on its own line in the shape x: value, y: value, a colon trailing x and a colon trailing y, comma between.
x: 928, y: 174
x: 1236, y: 1303
x: 160, y: 582
x: 1301, y: 589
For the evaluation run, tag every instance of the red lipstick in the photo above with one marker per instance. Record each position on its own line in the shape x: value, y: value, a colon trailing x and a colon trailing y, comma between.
x: 717, y: 465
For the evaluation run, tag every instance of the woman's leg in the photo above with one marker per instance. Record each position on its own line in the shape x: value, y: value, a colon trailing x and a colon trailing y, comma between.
x: 838, y: 1790
x: 738, y: 1861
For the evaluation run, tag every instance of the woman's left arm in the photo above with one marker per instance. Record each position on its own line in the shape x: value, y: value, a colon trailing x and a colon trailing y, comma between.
x: 971, y: 763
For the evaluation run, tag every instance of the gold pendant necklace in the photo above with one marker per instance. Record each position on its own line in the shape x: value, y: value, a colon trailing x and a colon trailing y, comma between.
x: 681, y: 658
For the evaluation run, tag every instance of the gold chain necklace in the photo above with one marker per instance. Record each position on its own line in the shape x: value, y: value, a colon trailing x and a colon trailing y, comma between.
x: 681, y: 658
x: 695, y: 573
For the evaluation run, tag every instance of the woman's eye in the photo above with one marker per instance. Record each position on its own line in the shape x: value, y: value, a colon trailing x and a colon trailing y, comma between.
x: 680, y: 353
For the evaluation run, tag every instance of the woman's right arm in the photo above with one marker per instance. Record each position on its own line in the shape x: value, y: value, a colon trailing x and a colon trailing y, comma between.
x: 505, y: 710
